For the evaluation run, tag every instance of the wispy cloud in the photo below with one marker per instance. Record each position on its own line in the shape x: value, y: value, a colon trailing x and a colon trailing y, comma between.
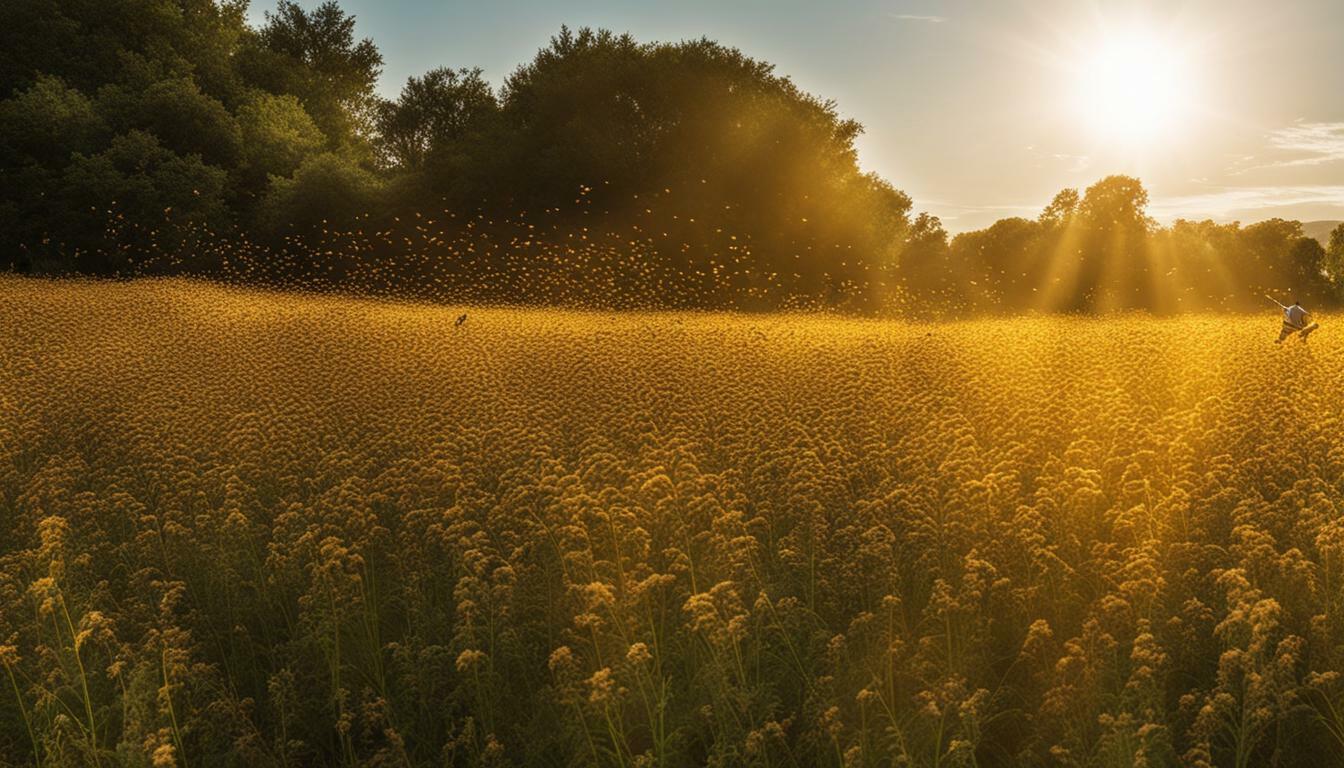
x: 1055, y: 160
x: 918, y: 17
x: 1312, y: 143
x: 1244, y: 202
x: 1077, y: 163
x: 959, y: 217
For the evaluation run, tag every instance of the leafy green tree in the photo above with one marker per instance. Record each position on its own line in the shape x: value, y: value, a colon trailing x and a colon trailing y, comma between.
x: 46, y: 123
x: 185, y: 119
x: 143, y: 178
x: 1204, y: 266
x: 433, y: 115
x: 1268, y: 239
x: 325, y: 188
x: 315, y: 56
x: 1304, y: 270
x: 277, y: 135
x: 149, y: 196
x: 90, y: 43
x: 116, y: 105
x: 440, y: 140
x: 572, y: 117
x: 1334, y: 257
x: 698, y: 141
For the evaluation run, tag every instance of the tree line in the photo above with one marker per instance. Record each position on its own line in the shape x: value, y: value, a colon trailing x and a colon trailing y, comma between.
x: 165, y: 136
x: 1100, y: 251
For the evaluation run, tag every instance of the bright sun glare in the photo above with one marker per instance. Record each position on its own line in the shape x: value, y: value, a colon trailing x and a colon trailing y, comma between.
x: 1133, y: 88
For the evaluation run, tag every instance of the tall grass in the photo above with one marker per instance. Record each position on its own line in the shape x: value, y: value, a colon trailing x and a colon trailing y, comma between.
x: 249, y: 528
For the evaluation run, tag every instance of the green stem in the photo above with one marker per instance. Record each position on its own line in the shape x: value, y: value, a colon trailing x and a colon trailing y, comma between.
x: 172, y: 712
x: 83, y: 681
x: 18, y: 697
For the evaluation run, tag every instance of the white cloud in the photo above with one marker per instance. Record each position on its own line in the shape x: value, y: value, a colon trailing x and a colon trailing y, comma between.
x: 973, y: 215
x: 1313, y: 143
x: 1236, y: 202
x: 1077, y: 163
x: 918, y: 17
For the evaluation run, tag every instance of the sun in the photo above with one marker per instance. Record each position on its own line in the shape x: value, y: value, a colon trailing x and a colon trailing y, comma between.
x: 1133, y: 88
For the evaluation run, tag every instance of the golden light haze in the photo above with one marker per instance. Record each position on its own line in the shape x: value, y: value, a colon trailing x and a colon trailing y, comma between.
x: 1223, y: 109
x: 1136, y: 88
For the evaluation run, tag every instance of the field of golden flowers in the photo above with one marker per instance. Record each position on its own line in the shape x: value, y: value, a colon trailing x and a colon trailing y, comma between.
x: 263, y: 529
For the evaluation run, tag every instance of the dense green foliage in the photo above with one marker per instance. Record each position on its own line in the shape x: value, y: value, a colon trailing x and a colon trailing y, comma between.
x: 169, y: 136
x: 150, y: 124
x: 253, y: 529
x: 176, y: 126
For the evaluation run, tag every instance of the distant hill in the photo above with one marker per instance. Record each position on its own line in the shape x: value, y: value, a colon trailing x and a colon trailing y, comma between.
x: 1320, y: 229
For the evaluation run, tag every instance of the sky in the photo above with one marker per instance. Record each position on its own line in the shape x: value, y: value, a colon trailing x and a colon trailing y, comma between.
x: 984, y: 109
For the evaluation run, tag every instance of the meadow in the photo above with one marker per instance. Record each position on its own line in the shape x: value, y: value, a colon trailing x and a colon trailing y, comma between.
x: 255, y: 528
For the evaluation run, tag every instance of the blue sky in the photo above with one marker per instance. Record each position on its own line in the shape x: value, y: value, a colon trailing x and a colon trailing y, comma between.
x: 981, y: 109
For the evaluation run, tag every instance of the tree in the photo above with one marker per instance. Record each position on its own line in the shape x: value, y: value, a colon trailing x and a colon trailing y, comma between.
x: 277, y: 134
x: 315, y: 56
x: 1114, y: 270
x: 711, y: 150
x: 575, y: 117
x: 153, y: 116
x: 1001, y: 264
x: 1334, y: 257
x: 90, y: 43
x: 1304, y: 270
x: 117, y: 106
x: 927, y: 272
x: 1061, y: 210
x: 1116, y: 205
x: 325, y: 188
x: 133, y: 198
x: 433, y: 115
x: 46, y: 123
x: 179, y: 114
